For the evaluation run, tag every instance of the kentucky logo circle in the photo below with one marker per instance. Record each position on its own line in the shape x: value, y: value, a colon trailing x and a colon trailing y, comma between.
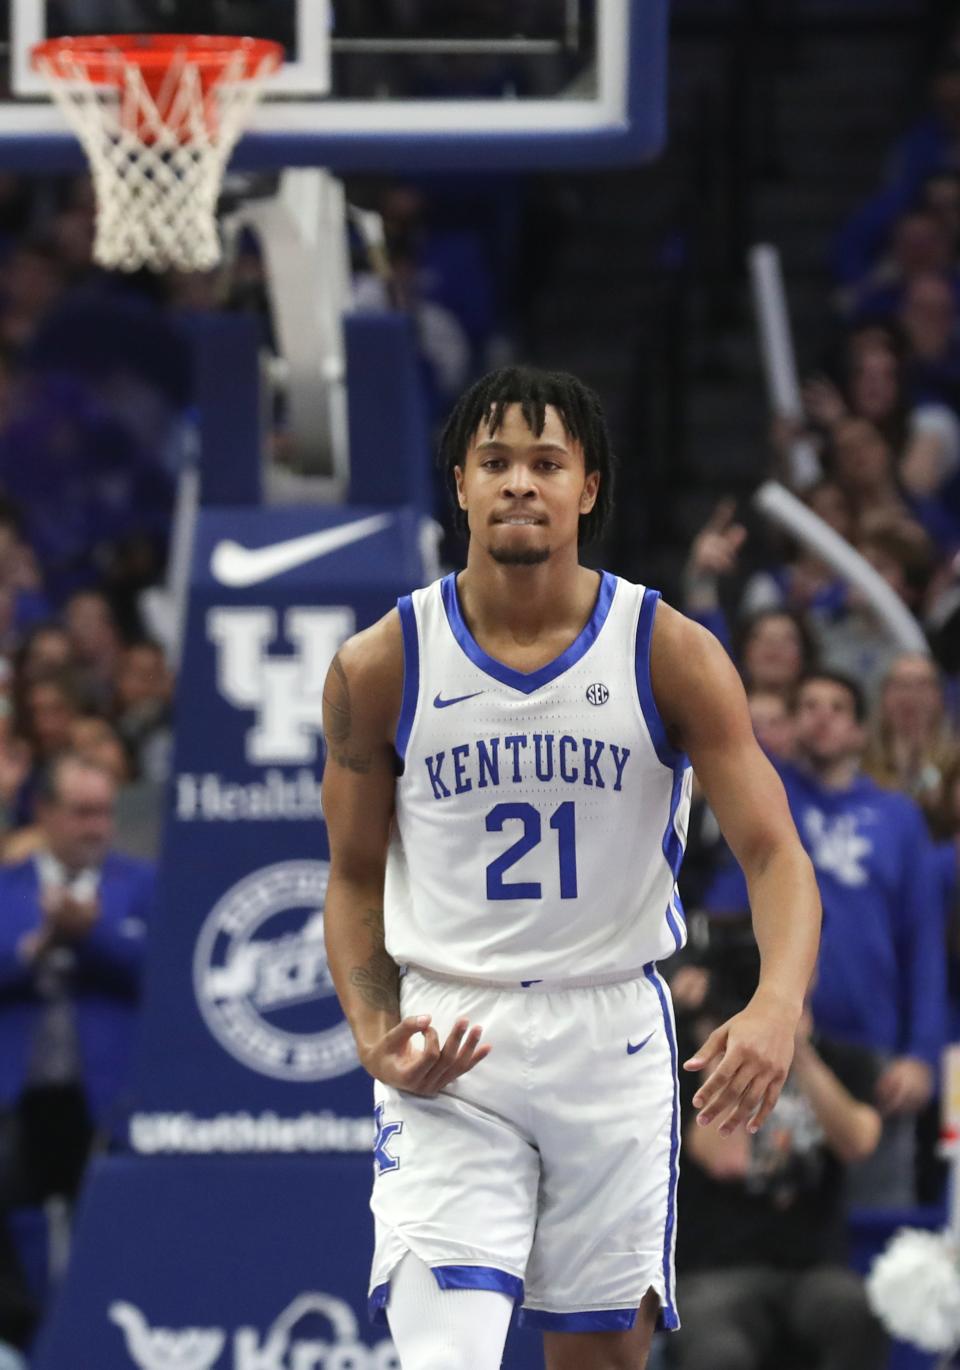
x: 597, y: 693
x: 261, y: 977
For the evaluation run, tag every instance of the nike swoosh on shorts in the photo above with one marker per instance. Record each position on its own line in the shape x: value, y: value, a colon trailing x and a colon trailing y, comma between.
x: 439, y: 703
x: 238, y: 566
x: 633, y: 1049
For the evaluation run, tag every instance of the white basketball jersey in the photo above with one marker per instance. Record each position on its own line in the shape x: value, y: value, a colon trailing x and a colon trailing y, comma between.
x: 540, y: 817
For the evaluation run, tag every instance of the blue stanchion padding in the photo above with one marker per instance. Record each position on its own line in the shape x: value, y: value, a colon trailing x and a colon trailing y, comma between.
x: 389, y: 438
x: 209, y: 1264
x: 244, y: 1047
x: 225, y: 351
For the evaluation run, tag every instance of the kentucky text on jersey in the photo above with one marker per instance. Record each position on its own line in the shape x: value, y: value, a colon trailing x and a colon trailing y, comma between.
x: 540, y: 817
x: 519, y: 758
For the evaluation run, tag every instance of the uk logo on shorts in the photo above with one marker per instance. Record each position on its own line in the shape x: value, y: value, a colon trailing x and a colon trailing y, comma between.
x: 261, y: 977
x: 383, y: 1159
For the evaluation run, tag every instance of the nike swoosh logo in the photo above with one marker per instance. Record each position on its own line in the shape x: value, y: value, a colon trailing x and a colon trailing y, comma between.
x: 439, y: 703
x: 238, y: 566
x: 632, y: 1050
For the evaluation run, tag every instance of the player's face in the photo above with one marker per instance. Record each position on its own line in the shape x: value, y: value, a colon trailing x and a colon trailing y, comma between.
x: 826, y: 723
x: 524, y: 493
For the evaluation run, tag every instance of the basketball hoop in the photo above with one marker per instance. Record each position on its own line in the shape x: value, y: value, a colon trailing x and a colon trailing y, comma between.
x: 158, y: 116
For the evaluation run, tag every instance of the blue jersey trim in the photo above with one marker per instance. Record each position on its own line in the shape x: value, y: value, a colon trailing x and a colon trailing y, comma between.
x: 667, y: 1320
x: 599, y: 1320
x: 452, y: 1277
x: 528, y: 681
x: 667, y: 753
x: 677, y: 921
x: 478, y: 1277
x: 668, y: 1312
x: 673, y: 852
x: 377, y: 1301
x: 411, y: 673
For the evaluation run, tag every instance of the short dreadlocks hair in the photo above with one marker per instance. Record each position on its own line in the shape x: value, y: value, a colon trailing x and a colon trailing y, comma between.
x: 577, y: 405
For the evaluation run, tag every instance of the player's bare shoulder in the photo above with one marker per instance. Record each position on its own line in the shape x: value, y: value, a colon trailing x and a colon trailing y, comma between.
x: 679, y: 643
x: 695, y: 683
x: 362, y: 695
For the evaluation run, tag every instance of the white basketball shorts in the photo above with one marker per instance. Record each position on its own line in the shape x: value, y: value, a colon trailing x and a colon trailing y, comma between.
x: 548, y: 1171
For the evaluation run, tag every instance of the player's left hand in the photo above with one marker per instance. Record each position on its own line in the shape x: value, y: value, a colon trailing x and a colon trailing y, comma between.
x: 750, y: 1054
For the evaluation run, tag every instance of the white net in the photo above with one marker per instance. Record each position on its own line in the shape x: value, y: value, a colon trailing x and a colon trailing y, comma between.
x: 157, y: 159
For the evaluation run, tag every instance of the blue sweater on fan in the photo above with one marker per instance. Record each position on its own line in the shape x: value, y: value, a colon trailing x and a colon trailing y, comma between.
x: 881, y: 976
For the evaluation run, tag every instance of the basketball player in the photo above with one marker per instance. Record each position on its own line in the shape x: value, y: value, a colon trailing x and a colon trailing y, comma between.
x: 506, y: 793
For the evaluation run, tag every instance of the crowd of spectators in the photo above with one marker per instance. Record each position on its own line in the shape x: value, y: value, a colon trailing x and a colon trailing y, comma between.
x: 85, y: 742
x: 94, y: 385
x: 866, y: 737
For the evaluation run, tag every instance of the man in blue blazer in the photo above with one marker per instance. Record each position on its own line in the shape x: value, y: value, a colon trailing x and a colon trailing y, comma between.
x: 73, y: 921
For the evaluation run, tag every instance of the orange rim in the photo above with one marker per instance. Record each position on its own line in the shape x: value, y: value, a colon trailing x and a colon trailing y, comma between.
x: 153, y: 53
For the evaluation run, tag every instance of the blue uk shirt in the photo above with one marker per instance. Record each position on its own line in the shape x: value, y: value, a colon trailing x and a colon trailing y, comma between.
x: 881, y: 977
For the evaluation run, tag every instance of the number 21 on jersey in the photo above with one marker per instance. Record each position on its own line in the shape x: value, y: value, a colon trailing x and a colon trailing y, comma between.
x: 562, y: 822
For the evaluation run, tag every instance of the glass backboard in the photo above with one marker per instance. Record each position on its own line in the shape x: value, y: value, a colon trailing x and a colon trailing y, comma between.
x: 370, y: 84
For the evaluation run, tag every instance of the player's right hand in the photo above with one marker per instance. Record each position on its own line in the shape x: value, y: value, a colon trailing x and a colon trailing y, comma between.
x: 398, y: 1061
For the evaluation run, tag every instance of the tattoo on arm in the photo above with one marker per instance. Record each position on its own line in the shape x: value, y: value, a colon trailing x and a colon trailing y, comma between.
x: 378, y: 979
x: 338, y: 722
x: 336, y: 698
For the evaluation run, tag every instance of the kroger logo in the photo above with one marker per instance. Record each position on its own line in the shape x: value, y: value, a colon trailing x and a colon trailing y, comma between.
x: 284, y: 690
x: 261, y: 977
x: 316, y: 1332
